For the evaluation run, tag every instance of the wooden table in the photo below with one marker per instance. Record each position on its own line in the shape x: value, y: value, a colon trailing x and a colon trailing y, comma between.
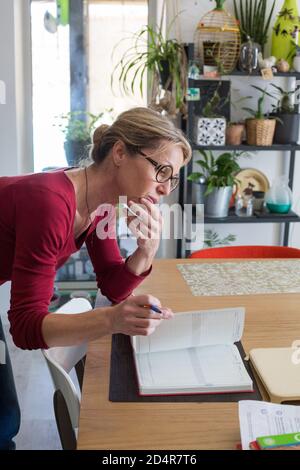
x: 271, y: 320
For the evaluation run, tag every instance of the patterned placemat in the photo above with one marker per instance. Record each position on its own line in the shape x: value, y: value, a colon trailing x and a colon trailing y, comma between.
x: 245, y: 278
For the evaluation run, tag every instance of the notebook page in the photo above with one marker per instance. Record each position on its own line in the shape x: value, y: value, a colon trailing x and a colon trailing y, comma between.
x: 196, y: 328
x: 204, y: 367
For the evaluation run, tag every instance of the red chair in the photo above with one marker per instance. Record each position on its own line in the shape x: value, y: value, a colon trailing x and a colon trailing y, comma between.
x: 248, y: 252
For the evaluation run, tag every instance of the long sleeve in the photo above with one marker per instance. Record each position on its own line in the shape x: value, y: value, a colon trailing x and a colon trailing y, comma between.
x: 113, y: 277
x: 41, y: 230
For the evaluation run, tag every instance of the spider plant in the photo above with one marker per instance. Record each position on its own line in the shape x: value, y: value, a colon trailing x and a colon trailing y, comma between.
x: 152, y: 53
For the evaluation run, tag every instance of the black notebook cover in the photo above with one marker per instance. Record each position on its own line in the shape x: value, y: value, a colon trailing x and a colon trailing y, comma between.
x: 123, y: 385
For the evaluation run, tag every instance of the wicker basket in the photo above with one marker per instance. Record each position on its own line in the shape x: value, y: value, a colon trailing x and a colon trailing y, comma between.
x: 217, y: 40
x: 260, y: 131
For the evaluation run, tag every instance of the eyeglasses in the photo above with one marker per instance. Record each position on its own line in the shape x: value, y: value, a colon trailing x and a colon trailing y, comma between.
x: 164, y: 173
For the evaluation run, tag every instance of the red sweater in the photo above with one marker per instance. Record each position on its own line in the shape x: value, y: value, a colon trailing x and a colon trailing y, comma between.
x: 37, y: 214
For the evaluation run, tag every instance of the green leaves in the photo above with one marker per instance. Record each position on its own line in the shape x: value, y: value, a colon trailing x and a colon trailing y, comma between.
x: 253, y: 19
x: 78, y: 125
x: 149, y: 50
x: 218, y: 171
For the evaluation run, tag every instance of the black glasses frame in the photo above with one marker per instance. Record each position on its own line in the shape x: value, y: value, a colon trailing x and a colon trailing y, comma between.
x: 158, y: 167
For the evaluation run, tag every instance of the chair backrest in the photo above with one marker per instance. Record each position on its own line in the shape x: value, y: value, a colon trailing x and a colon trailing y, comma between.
x: 61, y: 360
x: 248, y: 251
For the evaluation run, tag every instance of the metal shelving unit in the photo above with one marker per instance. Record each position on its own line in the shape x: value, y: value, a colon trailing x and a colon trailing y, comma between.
x: 185, y: 187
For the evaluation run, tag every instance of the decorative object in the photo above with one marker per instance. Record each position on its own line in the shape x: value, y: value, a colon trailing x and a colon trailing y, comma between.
x: 234, y: 133
x: 287, y: 128
x: 165, y: 62
x: 258, y: 200
x: 266, y: 63
x: 286, y: 31
x: 254, y: 20
x: 248, y: 61
x: 219, y: 174
x: 296, y: 57
x: 260, y: 130
x: 210, y: 131
x: 282, y: 65
x: 217, y: 39
x: 296, y: 60
x: 279, y: 197
x: 243, y: 278
x: 251, y: 177
x: 77, y: 127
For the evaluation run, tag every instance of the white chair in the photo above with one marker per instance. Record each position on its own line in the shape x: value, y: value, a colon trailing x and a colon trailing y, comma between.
x: 60, y: 361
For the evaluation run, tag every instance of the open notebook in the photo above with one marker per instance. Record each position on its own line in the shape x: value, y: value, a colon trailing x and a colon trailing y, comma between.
x: 193, y: 353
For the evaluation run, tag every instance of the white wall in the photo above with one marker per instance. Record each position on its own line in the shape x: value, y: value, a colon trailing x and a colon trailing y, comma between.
x: 272, y: 164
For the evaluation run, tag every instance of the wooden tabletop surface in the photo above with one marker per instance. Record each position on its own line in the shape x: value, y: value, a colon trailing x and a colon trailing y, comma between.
x: 271, y: 321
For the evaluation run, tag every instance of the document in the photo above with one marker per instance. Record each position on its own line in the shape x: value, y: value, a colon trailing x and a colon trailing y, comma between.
x: 259, y: 418
x: 193, y: 353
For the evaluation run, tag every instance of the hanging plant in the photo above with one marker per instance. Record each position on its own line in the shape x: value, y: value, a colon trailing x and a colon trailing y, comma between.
x: 165, y: 62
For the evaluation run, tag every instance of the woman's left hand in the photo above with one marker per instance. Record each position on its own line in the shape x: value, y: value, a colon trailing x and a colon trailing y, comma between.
x: 146, y: 227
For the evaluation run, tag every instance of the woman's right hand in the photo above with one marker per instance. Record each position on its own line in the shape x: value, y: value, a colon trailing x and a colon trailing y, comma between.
x: 131, y: 317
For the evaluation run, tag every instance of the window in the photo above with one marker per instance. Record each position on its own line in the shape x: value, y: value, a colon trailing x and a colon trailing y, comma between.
x: 107, y: 22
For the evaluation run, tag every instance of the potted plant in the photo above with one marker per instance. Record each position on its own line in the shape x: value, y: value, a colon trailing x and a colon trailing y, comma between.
x: 211, y: 125
x: 287, y: 129
x: 253, y: 20
x: 77, y: 127
x: 260, y: 128
x: 218, y: 176
x: 235, y: 133
x: 165, y: 62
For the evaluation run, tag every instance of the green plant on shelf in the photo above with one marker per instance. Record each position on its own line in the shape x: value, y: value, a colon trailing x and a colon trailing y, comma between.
x: 259, y: 113
x: 253, y: 19
x: 284, y: 104
x: 217, y: 172
x: 214, y: 104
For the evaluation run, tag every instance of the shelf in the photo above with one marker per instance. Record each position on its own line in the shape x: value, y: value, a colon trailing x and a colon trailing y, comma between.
x: 245, y: 147
x: 234, y: 219
x: 244, y: 74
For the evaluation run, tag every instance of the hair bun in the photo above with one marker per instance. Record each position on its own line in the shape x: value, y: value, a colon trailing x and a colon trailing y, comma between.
x: 98, y: 134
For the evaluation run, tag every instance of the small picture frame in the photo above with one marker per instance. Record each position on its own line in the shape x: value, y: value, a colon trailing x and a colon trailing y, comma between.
x: 193, y: 94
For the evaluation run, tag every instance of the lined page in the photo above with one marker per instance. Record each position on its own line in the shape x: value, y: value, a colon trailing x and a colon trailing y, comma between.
x: 195, y: 328
x: 206, y: 367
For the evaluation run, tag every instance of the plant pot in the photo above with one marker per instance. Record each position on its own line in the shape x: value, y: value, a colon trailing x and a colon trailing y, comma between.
x: 210, y: 131
x: 216, y: 204
x: 234, y: 134
x: 76, y: 151
x: 260, y: 131
x: 165, y: 76
x: 287, y: 132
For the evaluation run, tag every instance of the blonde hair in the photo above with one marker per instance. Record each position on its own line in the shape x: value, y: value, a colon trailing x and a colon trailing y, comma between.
x: 138, y: 128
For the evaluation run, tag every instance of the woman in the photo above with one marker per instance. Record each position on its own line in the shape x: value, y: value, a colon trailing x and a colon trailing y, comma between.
x: 46, y: 217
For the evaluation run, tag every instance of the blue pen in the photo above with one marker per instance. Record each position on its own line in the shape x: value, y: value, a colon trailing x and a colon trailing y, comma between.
x: 154, y: 308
